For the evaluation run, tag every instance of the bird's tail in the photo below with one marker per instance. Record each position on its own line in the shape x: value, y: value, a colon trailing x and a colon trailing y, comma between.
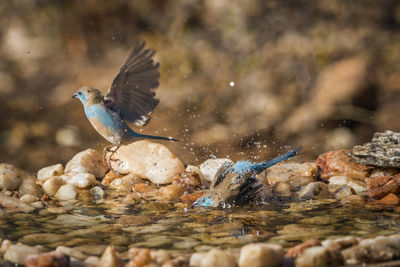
x: 266, y: 164
x: 145, y: 136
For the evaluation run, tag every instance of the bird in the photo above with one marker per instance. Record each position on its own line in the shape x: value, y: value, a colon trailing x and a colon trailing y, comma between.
x: 130, y: 99
x: 235, y: 183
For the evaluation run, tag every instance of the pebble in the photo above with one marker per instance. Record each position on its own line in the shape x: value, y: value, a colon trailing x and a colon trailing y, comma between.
x: 48, y: 259
x: 319, y: 256
x: 295, y: 251
x: 80, y: 180
x: 66, y: 192
x: 28, y: 198
x: 314, y: 190
x: 211, y: 168
x: 213, y: 258
x: 29, y: 186
x: 14, y: 203
x: 294, y: 174
x: 261, y: 255
x: 17, y: 253
x: 97, y: 192
x: 10, y: 177
x: 110, y: 259
x: 357, y: 185
x: 72, y: 252
x: 87, y: 161
x: 282, y: 189
x: 153, y: 161
x: 47, y: 172
x: 52, y: 185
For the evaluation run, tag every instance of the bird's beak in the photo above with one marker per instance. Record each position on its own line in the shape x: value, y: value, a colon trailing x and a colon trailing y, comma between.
x: 74, y: 96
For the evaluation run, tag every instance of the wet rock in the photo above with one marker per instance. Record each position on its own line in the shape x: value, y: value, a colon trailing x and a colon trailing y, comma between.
x: 47, y: 172
x: 50, y: 259
x: 17, y: 253
x: 29, y: 186
x: 79, y: 180
x: 91, y: 261
x: 341, y: 191
x: 380, y: 186
x: 314, y: 190
x: 382, y: 151
x: 189, y: 199
x: 110, y: 259
x: 109, y: 177
x: 14, y: 203
x: 353, y: 199
x: 214, y: 258
x: 4, y: 246
x: 72, y: 252
x: 172, y: 191
x: 319, y: 256
x: 294, y: 174
x: 295, y: 251
x: 337, y: 163
x: 153, y: 161
x: 180, y: 261
x: 390, y: 199
x: 341, y: 243
x: 357, y: 185
x: 211, y: 168
x: 52, y: 185
x: 192, y: 169
x: 87, y: 161
x: 282, y: 189
x: 159, y: 256
x: 378, y: 249
x: 10, y: 177
x: 139, y: 256
x: 28, y: 198
x: 66, y: 192
x: 97, y: 192
x: 261, y: 255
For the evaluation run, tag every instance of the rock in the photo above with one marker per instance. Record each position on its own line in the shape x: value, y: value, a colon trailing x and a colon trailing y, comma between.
x: 91, y: 261
x: 47, y: 172
x: 353, y: 199
x: 28, y: 198
x: 97, y: 192
x: 261, y: 255
x: 87, y: 161
x: 72, y: 252
x: 378, y: 249
x: 314, y: 190
x: 49, y: 259
x: 159, y: 256
x: 79, y: 180
x: 357, y: 185
x: 211, y: 168
x: 14, y: 203
x: 337, y: 163
x: 66, y: 192
x: 29, y: 186
x: 179, y: 261
x: 10, y: 177
x: 169, y: 192
x: 153, y: 161
x: 295, y: 251
x: 380, y: 186
x: 139, y: 256
x: 214, y: 258
x: 319, y: 256
x: 189, y: 199
x: 192, y: 169
x: 294, y: 174
x: 51, y: 186
x: 17, y: 253
x: 110, y: 259
x: 390, y: 199
x: 382, y: 151
x: 109, y: 177
x: 341, y: 243
x: 282, y: 189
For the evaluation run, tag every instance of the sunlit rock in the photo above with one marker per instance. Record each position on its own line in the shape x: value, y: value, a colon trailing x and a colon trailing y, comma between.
x: 53, y: 258
x: 72, y: 252
x: 29, y: 186
x: 17, y: 253
x: 91, y: 261
x: 110, y: 259
x: 97, y: 192
x: 10, y: 177
x: 294, y: 174
x: 261, y: 255
x: 213, y: 258
x: 357, y: 185
x: 51, y: 186
x: 66, y: 192
x: 47, y: 172
x: 28, y: 198
x: 80, y: 180
x: 211, y: 168
x: 389, y: 199
x: 139, y: 256
x: 87, y: 161
x: 319, y: 256
x: 14, y: 203
x: 153, y: 161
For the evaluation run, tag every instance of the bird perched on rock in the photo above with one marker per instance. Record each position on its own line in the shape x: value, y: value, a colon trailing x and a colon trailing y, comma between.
x: 129, y: 99
x: 236, y: 183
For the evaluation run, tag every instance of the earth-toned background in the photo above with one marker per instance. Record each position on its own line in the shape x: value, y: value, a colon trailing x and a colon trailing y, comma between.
x: 244, y: 79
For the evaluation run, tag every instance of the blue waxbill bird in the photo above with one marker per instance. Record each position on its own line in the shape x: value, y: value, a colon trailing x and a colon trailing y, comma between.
x: 235, y: 184
x: 130, y: 98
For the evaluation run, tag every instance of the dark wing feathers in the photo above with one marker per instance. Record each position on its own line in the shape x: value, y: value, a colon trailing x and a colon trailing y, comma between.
x: 130, y: 94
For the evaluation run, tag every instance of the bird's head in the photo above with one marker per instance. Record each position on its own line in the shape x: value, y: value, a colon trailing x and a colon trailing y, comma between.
x: 88, y: 95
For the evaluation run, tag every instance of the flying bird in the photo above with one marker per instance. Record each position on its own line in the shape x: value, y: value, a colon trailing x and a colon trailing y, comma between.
x: 235, y: 184
x: 130, y: 99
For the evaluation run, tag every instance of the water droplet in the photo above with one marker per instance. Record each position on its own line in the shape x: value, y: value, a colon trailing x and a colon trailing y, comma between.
x: 232, y: 84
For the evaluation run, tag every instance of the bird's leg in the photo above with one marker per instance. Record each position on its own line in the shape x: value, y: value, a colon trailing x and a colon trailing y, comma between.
x: 107, y: 160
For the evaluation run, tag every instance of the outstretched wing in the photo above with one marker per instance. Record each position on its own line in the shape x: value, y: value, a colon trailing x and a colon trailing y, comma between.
x: 130, y: 94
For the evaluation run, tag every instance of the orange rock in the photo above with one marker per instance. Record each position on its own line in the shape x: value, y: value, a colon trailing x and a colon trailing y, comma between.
x: 53, y: 258
x: 142, y: 188
x: 139, y: 257
x: 109, y: 177
x: 379, y: 187
x: 337, y: 163
x: 189, y: 199
x: 390, y: 199
x: 296, y: 250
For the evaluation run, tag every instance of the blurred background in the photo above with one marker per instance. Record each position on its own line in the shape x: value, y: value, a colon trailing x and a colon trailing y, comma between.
x: 245, y: 79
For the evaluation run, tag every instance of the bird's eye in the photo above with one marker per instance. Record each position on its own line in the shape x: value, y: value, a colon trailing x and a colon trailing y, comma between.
x: 79, y: 93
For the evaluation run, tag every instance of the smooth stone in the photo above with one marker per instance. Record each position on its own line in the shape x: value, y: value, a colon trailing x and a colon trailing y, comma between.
x: 295, y: 251
x: 79, y: 180
x: 261, y: 255
x: 153, y: 161
x: 389, y: 199
x: 66, y: 192
x: 42, y: 238
x: 294, y: 174
x: 110, y: 259
x: 72, y: 252
x: 54, y: 258
x: 213, y: 258
x: 380, y: 186
x: 314, y: 190
x: 282, y: 189
x: 211, y: 168
x: 29, y: 186
x: 47, y: 172
x: 172, y: 191
x: 192, y: 169
x: 357, y: 185
x: 10, y: 177
x: 28, y: 198
x: 52, y: 185
x: 14, y: 203
x: 17, y: 253
x: 96, y: 250
x: 159, y: 256
x: 341, y: 243
x: 319, y: 256
x: 87, y: 161
x: 97, y: 192
x: 91, y: 261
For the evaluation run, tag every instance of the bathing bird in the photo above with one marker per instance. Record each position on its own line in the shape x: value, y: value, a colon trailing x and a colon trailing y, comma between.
x: 129, y: 99
x: 235, y: 183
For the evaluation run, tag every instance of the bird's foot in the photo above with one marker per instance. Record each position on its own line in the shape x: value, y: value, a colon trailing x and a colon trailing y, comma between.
x: 109, y: 159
